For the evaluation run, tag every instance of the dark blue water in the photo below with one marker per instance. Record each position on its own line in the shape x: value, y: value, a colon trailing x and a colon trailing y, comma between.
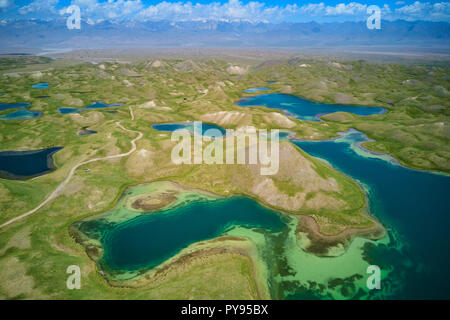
x: 21, y: 115
x: 302, y: 108
x: 170, y: 127
x: 42, y: 85
x: 414, y: 203
x: 20, y: 105
x: 148, y: 240
x: 22, y: 165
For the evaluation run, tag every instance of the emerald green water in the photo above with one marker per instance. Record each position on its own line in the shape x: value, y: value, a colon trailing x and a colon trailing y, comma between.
x: 134, y: 242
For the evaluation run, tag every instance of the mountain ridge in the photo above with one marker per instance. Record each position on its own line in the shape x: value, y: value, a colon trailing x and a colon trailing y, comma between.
x: 214, y: 33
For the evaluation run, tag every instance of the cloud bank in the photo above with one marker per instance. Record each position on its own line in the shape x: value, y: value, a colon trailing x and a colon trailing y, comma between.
x: 254, y: 11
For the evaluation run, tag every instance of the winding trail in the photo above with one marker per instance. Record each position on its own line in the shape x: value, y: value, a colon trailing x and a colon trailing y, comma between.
x: 61, y: 186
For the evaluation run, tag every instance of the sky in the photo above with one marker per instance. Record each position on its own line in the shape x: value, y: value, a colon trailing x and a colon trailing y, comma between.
x: 94, y: 11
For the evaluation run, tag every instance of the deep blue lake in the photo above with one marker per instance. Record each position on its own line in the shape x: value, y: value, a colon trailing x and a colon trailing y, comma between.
x: 22, y: 165
x: 20, y: 105
x: 302, y: 108
x: 414, y: 203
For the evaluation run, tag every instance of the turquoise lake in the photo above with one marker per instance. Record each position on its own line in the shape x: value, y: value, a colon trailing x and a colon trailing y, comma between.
x: 42, y: 85
x: 302, y: 108
x: 148, y: 240
x: 413, y: 204
x: 21, y: 115
x: 22, y: 165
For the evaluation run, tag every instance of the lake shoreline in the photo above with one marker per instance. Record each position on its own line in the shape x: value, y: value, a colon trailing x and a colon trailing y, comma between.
x: 95, y: 250
x: 50, y: 163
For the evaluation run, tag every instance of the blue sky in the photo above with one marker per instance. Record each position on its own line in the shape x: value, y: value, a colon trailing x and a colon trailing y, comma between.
x: 95, y: 11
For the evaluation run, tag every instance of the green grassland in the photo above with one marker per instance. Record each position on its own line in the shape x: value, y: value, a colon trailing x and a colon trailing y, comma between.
x: 35, y: 251
x: 415, y: 130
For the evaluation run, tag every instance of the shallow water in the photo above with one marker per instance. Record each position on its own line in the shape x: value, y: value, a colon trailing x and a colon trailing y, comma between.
x: 133, y: 242
x: 302, y: 108
x: 22, y: 165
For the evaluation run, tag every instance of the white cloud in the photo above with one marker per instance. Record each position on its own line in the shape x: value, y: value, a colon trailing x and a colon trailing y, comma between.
x: 439, y: 11
x: 112, y: 9
x: 313, y: 9
x: 40, y: 7
x: 233, y: 10
x: 253, y: 11
x: 99, y: 10
x: 346, y: 9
